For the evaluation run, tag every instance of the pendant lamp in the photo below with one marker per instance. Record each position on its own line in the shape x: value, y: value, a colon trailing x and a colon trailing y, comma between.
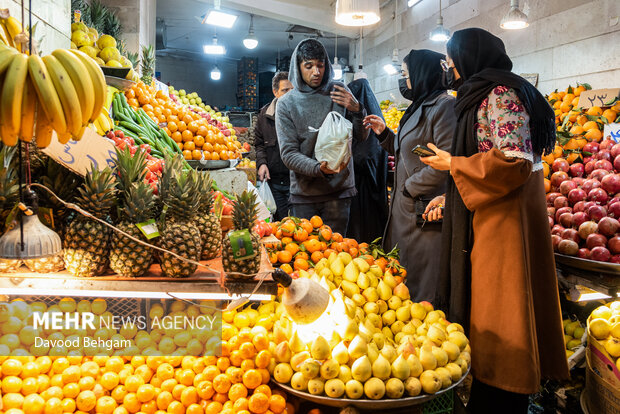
x: 515, y: 19
x: 440, y: 33
x: 357, y: 12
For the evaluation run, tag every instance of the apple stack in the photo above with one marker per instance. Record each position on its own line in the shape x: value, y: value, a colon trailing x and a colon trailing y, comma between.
x: 372, y: 342
x: 584, y: 204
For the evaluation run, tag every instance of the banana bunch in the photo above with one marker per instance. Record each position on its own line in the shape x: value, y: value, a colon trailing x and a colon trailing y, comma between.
x: 11, y: 30
x: 64, y: 91
x: 103, y: 123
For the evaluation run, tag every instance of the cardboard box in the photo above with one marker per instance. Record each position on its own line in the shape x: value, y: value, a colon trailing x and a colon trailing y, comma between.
x: 601, y: 396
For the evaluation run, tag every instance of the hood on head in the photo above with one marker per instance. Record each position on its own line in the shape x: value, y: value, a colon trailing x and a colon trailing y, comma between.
x: 294, y: 74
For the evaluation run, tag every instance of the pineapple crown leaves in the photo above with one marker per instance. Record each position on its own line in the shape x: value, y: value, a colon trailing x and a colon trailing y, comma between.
x: 206, y: 192
x: 129, y: 168
x: 245, y: 210
x: 147, y: 64
x: 139, y: 202
x: 9, y: 185
x: 179, y: 189
x: 98, y: 194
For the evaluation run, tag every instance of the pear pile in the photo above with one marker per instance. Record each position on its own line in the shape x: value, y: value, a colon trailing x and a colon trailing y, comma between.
x: 372, y: 341
x: 604, y: 326
x: 573, y: 333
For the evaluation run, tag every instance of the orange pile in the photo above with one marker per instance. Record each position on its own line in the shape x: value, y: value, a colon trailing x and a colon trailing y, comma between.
x: 193, y: 134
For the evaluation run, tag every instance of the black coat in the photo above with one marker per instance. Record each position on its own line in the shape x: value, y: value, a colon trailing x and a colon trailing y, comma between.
x: 267, y: 146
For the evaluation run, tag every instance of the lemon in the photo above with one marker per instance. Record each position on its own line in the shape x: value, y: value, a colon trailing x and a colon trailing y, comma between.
x: 10, y: 341
x: 106, y: 41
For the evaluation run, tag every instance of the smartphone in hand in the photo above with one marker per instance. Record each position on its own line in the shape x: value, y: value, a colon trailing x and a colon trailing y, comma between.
x: 423, y: 151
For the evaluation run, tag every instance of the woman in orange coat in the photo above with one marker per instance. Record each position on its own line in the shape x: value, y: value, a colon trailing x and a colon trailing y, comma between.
x: 498, y: 266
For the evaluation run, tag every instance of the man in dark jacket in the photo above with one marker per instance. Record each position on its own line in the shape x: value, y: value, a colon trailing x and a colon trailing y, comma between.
x: 315, y: 189
x: 268, y: 162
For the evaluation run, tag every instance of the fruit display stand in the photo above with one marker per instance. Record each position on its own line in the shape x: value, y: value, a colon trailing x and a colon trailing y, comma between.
x: 599, y: 276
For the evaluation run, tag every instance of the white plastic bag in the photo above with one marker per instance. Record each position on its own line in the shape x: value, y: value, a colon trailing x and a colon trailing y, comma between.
x: 333, y: 144
x: 264, y: 192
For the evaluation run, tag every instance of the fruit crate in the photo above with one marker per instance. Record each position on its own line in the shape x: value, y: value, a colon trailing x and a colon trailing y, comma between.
x: 443, y: 404
x: 128, y: 307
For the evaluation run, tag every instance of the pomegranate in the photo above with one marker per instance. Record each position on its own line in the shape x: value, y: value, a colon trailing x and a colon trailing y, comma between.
x: 567, y: 186
x: 570, y: 234
x: 617, y: 163
x: 562, y: 201
x: 598, y: 174
x: 608, y: 226
x: 561, y: 211
x: 615, y: 151
x: 615, y: 259
x: 551, y: 222
x: 557, y: 230
x: 601, y: 254
x: 587, y: 160
x: 614, y: 209
x: 596, y: 213
x: 560, y: 164
x: 598, y: 195
x: 595, y: 240
x: 551, y: 211
x: 579, y: 218
x: 609, y: 183
x: 558, y: 178
x: 551, y: 197
x: 566, y: 220
x: 568, y: 247
x: 607, y: 144
x: 577, y: 170
x: 589, y: 166
x: 575, y: 195
x: 591, y: 147
x: 614, y: 245
x: 555, y: 240
x: 584, y: 253
x: 578, y: 181
x: 604, y: 164
x: 589, y: 184
x: 579, y: 206
x: 603, y: 156
x: 586, y: 228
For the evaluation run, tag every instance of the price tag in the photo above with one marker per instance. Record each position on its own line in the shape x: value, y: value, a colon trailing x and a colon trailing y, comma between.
x: 241, y: 244
x: 149, y: 229
x: 78, y: 156
x: 612, y: 131
x: 598, y: 97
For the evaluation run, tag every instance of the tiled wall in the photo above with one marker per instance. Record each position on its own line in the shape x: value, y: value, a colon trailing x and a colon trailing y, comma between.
x: 54, y: 17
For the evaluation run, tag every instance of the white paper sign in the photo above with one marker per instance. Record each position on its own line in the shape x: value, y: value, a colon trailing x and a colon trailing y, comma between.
x: 79, y: 155
x: 612, y: 131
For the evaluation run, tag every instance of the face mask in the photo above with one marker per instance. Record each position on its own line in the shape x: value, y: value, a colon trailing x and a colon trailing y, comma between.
x: 404, y: 89
x: 449, y: 80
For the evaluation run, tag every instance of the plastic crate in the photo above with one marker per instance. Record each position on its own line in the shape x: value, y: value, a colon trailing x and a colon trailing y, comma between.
x: 117, y: 306
x: 441, y: 405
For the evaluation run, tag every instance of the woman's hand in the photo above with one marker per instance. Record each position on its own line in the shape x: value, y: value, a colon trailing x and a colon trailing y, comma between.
x: 441, y: 161
x: 434, y: 209
x: 375, y: 123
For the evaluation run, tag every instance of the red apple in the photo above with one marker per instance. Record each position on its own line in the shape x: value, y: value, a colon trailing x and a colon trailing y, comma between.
x: 610, y: 183
x: 577, y: 170
x: 595, y: 240
x: 608, y: 226
x: 560, y: 164
x: 570, y: 234
x: 575, y: 195
x: 598, y: 195
x: 601, y: 254
x: 568, y: 247
x: 614, y: 245
x: 567, y: 186
x: 558, y: 177
x: 587, y: 228
x: 596, y: 213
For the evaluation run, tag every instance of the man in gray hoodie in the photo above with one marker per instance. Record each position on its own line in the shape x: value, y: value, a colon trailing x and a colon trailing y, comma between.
x: 315, y: 189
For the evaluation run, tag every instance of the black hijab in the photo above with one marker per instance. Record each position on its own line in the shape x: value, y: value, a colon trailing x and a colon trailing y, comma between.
x: 481, y: 60
x: 425, y: 75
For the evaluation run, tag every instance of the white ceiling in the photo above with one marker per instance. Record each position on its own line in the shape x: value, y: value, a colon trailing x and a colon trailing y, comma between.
x: 186, y: 35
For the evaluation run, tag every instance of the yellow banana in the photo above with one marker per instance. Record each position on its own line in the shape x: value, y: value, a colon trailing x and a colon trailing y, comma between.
x: 11, y: 99
x: 6, y: 57
x: 66, y: 92
x: 3, y: 40
x: 29, y: 105
x: 104, y: 120
x: 98, y: 80
x: 43, y: 128
x: 63, y: 137
x: 81, y: 81
x: 48, y: 98
x: 13, y: 26
x: 6, y: 34
x: 97, y: 126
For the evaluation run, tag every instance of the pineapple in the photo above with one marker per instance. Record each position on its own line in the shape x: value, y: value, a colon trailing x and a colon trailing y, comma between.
x: 9, y: 185
x: 207, y: 222
x: 180, y: 192
x: 86, y: 241
x: 127, y: 257
x: 148, y: 64
x: 244, y: 216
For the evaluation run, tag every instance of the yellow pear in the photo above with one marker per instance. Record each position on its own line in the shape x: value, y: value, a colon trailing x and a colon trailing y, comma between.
x: 378, y: 339
x: 394, y: 302
x: 283, y: 373
x: 366, y: 331
x: 427, y: 358
x: 463, y: 364
x: 440, y: 355
x: 296, y: 344
x: 358, y: 347
x: 310, y: 369
x: 381, y: 368
x: 389, y: 279
x: 373, y: 352
x: 389, y: 317
x: 452, y: 350
x: 455, y: 371
x: 335, y: 339
x: 413, y: 387
x: 340, y: 353
x: 580, y: 331
x: 466, y: 356
x: 361, y: 264
x: 320, y: 265
x: 394, y: 388
x: 454, y: 327
x: 374, y: 389
x: 403, y: 314
x: 398, y: 337
x: 316, y: 386
x: 345, y: 257
x: 361, y: 369
x: 570, y: 328
x: 299, y: 382
x: 351, y: 273
x: 385, y: 292
x: 375, y: 320
x: 430, y: 381
x: 409, y: 328
x: 370, y: 306
x: 350, y: 330
x: 363, y: 281
x: 402, y: 291
x: 415, y: 366
x: 376, y: 270
x: 344, y: 374
x: 358, y: 299
x: 332, y: 258
x: 400, y: 368
x: 433, y: 316
x: 334, y: 388
x: 445, y: 376
x: 436, y: 334
x: 330, y: 369
x: 283, y: 352
x: 350, y: 288
x: 418, y: 311
x: 574, y: 343
x: 397, y: 326
x: 459, y: 339
x: 360, y: 316
x: 298, y: 359
x: 612, y: 346
x: 374, y: 280
x: 337, y: 267
x: 354, y: 389
x: 320, y: 348
x: 383, y: 307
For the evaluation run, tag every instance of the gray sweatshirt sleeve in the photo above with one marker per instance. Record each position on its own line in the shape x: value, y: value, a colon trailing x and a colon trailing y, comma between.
x: 290, y: 145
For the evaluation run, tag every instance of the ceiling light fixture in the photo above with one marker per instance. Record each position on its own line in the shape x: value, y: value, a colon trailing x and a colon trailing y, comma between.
x: 515, y: 19
x: 216, y: 74
x: 392, y: 68
x: 250, y: 41
x: 216, y: 17
x: 440, y: 33
x: 412, y: 2
x: 214, y: 48
x: 357, y: 12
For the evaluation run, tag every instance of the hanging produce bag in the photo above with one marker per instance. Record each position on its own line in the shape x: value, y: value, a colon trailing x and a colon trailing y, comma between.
x: 333, y: 145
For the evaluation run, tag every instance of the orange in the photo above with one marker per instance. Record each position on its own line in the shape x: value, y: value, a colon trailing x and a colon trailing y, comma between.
x: 30, y: 386
x: 301, y: 264
x: 168, y: 385
x: 221, y: 397
x: 13, y: 366
x: 316, y: 256
x: 145, y: 393
x: 165, y: 371
x: 277, y: 403
x: 247, y: 364
x: 571, y: 144
x: 205, y: 390
x: 186, y: 377
x: 72, y: 390
x: 265, y: 374
x: 575, y: 103
x: 177, y: 136
x: 252, y: 379
x: 199, y: 140
x: 240, y: 404
x: 52, y: 392
x: 31, y: 404
x: 594, y: 135
x: 197, y: 154
x: 595, y: 111
x: 577, y: 130
x: 235, y: 374
x: 213, y: 407
x: 215, y: 156
x: 237, y: 391
x: 261, y: 342
x: 172, y: 126
x: 86, y: 383
x: 187, y: 135
x: 284, y: 256
x: 287, y: 268
x: 119, y: 393
x: 11, y: 384
x: 86, y: 401
x: 188, y: 118
x: 106, y: 405
x: 577, y: 91
x: 149, y: 407
x: 194, y: 409
x: 176, y: 407
x: 221, y: 384
x: 325, y: 233
x: 590, y: 125
x: 222, y: 363
x: 193, y: 126
x: 182, y: 126
x: 164, y: 399
x: 187, y: 154
x: 263, y: 389
x: 258, y: 403
x: 300, y: 235
x: 68, y: 405
x: 189, y: 396
x: 292, y: 248
x: 610, y: 115
x: 247, y: 350
x: 582, y: 119
x: 565, y: 107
